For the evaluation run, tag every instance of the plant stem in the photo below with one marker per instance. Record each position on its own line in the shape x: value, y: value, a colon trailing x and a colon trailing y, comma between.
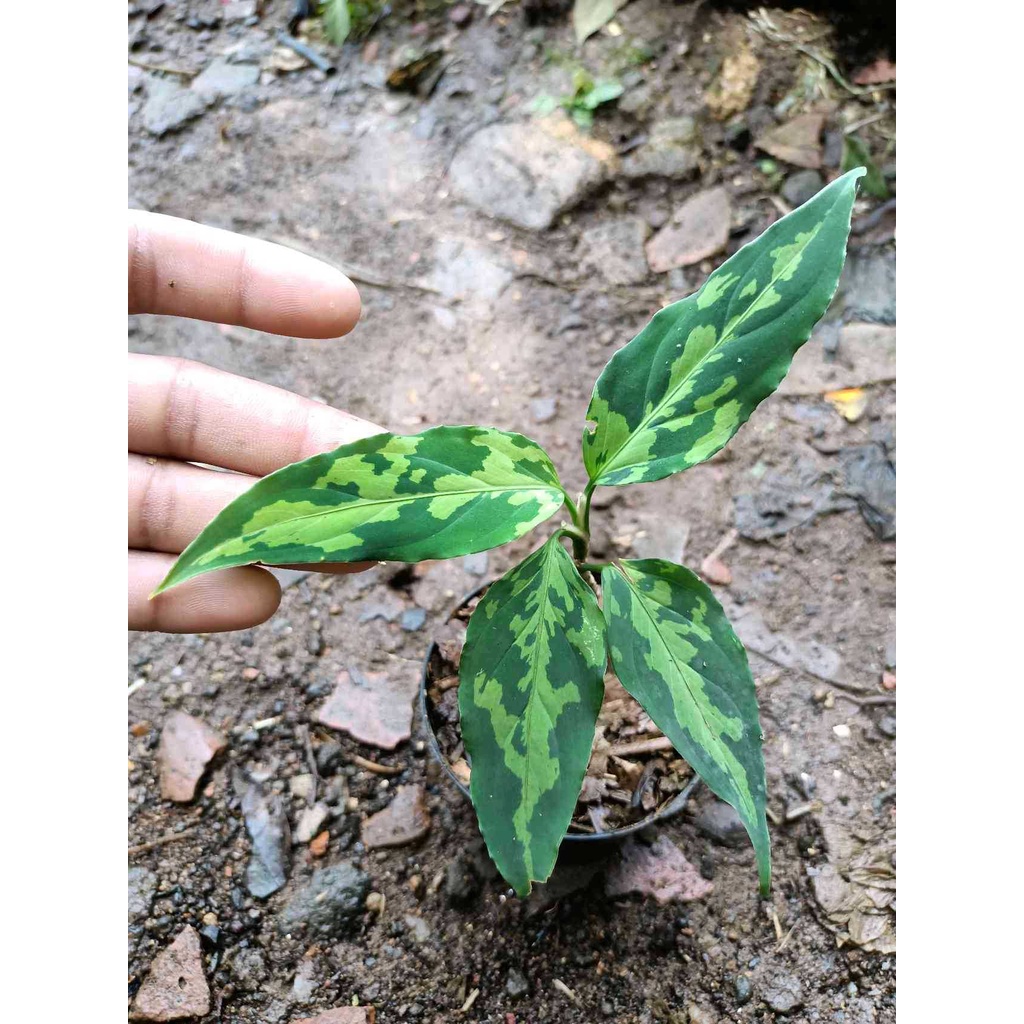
x: 594, y: 566
x: 585, y: 500
x: 580, y: 541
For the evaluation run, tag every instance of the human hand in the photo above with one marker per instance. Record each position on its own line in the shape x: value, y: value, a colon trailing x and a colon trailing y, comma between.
x: 182, y: 412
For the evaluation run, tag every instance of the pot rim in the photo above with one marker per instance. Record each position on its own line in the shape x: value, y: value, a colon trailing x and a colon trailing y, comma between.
x: 669, y: 810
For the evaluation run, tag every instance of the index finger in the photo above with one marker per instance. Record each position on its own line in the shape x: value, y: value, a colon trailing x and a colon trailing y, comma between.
x: 181, y: 268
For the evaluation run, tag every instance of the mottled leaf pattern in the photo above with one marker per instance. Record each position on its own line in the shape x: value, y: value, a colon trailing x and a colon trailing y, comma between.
x: 690, y: 379
x: 532, y: 680
x: 448, y: 491
x: 674, y: 650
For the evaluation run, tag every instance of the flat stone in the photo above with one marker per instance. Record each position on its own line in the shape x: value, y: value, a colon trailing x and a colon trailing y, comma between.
x: 698, y: 229
x: 868, y: 286
x: 342, y: 1015
x: 525, y: 174
x: 798, y: 188
x: 476, y: 565
x: 672, y: 151
x: 267, y: 825
x: 869, y: 477
x: 614, y: 250
x: 187, y: 746
x: 175, y: 986
x: 222, y: 78
x: 659, y: 870
x: 464, y: 272
x: 403, y: 821
x: 413, y: 619
x: 864, y: 353
x: 329, y: 903
x: 373, y: 707
x: 141, y: 887
x: 169, y: 106
x: 797, y: 141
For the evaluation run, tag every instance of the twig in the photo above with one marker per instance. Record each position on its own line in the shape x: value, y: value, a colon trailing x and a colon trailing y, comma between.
x: 171, y: 837
x: 806, y: 671
x: 311, y: 761
x: 137, y: 685
x: 318, y: 60
x: 470, y: 1000
x: 561, y: 986
x: 863, y: 122
x: 641, y: 747
x: 782, y: 944
x: 778, y: 925
x: 880, y: 699
x: 160, y: 67
x: 373, y: 766
x: 870, y: 220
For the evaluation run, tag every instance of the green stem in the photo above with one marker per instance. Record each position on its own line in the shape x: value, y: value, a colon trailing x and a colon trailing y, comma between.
x: 587, y: 497
x: 580, y: 541
x: 594, y: 566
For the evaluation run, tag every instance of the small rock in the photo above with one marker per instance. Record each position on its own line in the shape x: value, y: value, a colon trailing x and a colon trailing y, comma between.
x: 869, y: 288
x: 318, y: 844
x: 418, y: 928
x: 169, y: 106
x: 671, y: 152
x: 783, y: 993
x: 221, y: 78
x: 614, y: 250
x: 373, y: 707
x: 309, y: 822
x: 249, y: 970
x: 329, y: 903
x: 301, y: 786
x: 543, y: 410
x: 699, y: 1015
x: 404, y: 820
x: 239, y: 10
x: 175, y: 986
x: 714, y: 570
x: 698, y: 229
x: 516, y: 985
x: 869, y: 477
x: 887, y: 725
x: 267, y: 825
x: 460, y: 15
x: 476, y: 565
x: 720, y: 822
x: 797, y: 142
x: 659, y: 870
x: 187, y: 745
x: 141, y: 887
x: 413, y: 619
x: 304, y: 983
x: 741, y: 986
x: 342, y: 1015
x: 525, y: 173
x: 800, y: 187
x: 326, y: 755
x: 461, y: 883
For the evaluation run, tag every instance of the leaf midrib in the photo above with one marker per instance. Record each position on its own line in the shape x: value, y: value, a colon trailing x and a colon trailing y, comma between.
x: 728, y: 336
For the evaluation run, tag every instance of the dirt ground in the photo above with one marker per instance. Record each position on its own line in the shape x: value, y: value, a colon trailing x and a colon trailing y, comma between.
x: 468, y: 318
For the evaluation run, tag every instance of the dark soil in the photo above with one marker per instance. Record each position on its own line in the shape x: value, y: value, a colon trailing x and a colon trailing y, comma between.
x: 467, y: 319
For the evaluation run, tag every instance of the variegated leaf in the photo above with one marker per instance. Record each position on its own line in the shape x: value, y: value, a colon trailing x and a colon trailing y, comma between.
x: 674, y: 650
x: 448, y: 491
x: 531, y: 684
x: 690, y: 379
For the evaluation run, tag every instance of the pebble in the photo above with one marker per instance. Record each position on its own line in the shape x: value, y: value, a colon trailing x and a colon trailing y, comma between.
x: 783, y: 993
x: 742, y: 988
x: 176, y: 985
x: 309, y: 822
x: 672, y: 151
x: 613, y: 250
x: 302, y: 785
x: 887, y: 725
x: 373, y: 707
x: 222, y: 78
x: 329, y: 903
x: 418, y: 928
x: 141, y: 887
x: 699, y: 229
x: 341, y: 1015
x: 267, y: 825
x: 403, y: 821
x: 413, y: 619
x: 801, y: 186
x: 543, y: 410
x: 249, y: 970
x: 169, y: 106
x: 476, y: 565
x: 187, y: 745
x: 720, y: 822
x: 516, y: 985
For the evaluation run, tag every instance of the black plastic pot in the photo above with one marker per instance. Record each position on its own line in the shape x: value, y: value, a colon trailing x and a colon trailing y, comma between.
x: 669, y: 810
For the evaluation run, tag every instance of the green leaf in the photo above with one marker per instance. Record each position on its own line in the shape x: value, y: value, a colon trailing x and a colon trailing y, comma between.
x: 690, y: 379
x: 601, y: 92
x: 337, y: 20
x: 856, y: 154
x: 590, y: 15
x: 448, y: 491
x: 531, y: 685
x: 674, y: 650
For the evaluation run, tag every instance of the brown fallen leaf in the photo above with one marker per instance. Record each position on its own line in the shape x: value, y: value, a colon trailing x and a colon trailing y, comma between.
x: 798, y: 142
x: 734, y: 89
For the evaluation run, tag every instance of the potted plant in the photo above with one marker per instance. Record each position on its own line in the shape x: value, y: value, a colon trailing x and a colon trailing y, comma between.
x: 539, y: 641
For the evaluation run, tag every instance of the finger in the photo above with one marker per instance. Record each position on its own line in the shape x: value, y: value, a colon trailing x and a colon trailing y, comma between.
x: 185, y: 269
x: 170, y: 503
x: 193, y: 412
x: 214, y: 603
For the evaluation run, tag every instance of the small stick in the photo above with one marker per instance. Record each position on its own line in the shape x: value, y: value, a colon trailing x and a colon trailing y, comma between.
x: 565, y: 990
x: 641, y: 747
x: 869, y: 220
x: 778, y: 925
x: 470, y: 1000
x: 880, y: 699
x: 373, y: 766
x: 806, y: 671
x: 311, y: 761
x: 318, y: 60
x: 171, y: 837
x: 782, y: 944
x: 137, y: 685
